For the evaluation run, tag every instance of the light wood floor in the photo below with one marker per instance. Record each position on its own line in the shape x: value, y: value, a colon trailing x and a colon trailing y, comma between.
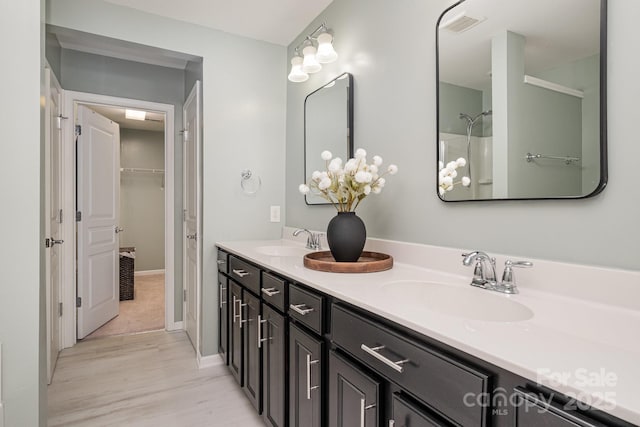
x: 149, y: 379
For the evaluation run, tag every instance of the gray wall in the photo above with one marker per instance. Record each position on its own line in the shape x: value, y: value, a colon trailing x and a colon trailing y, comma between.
x: 91, y: 73
x: 53, y: 52
x: 584, y: 74
x: 22, y: 292
x: 243, y: 123
x: 142, y: 197
x: 397, y: 121
x: 455, y: 100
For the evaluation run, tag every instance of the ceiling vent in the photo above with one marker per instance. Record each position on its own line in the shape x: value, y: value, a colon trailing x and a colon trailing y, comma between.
x: 460, y: 23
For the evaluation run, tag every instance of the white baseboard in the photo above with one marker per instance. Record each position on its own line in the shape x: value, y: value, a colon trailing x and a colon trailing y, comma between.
x: 175, y: 326
x: 209, y: 361
x: 148, y: 272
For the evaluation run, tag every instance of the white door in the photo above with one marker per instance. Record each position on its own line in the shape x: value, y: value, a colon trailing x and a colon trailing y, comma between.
x: 53, y: 221
x: 191, y: 174
x: 98, y: 193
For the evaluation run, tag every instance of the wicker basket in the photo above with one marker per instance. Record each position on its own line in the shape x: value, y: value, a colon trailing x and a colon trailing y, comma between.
x: 126, y: 274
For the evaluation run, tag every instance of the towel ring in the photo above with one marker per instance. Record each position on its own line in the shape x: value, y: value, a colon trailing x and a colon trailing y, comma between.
x: 250, y: 183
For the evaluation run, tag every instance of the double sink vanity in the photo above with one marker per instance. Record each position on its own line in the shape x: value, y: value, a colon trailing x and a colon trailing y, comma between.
x: 416, y: 345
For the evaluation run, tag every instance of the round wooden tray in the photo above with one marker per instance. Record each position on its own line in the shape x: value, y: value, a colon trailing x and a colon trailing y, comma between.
x: 369, y: 262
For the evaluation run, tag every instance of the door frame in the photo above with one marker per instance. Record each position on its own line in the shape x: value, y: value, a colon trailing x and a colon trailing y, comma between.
x: 68, y: 291
x: 51, y: 81
x: 195, y: 92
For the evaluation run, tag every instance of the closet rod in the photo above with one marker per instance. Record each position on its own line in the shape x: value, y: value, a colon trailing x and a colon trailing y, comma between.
x: 141, y: 170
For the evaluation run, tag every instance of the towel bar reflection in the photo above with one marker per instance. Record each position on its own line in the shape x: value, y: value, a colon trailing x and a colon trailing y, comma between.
x: 567, y: 159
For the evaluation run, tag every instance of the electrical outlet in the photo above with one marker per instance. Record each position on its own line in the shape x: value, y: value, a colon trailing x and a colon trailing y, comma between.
x: 275, y: 213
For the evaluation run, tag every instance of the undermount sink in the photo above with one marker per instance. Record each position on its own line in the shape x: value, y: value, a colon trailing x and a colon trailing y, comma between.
x: 281, y: 250
x: 469, y: 303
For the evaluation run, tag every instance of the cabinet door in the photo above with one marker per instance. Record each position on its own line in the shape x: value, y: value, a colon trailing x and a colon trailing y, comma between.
x: 305, y: 373
x: 407, y: 414
x: 223, y: 318
x: 251, y: 352
x: 353, y: 395
x: 235, y: 332
x: 271, y: 337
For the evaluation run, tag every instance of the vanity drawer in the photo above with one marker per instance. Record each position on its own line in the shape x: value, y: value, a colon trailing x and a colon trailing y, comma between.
x: 306, y: 307
x: 436, y: 379
x: 245, y: 274
x: 223, y: 261
x: 273, y: 290
x: 533, y: 411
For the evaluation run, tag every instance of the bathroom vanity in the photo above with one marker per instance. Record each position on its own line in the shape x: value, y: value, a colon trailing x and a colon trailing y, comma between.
x: 416, y: 345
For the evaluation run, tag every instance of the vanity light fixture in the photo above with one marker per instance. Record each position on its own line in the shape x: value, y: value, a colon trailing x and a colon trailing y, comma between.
x: 310, y: 64
x: 314, y: 56
x: 297, y: 75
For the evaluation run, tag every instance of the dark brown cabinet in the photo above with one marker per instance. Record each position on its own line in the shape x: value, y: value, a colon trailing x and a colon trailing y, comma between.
x: 235, y: 332
x: 305, y: 375
x: 409, y: 414
x: 307, y: 359
x: 249, y: 323
x: 534, y: 411
x: 354, y: 396
x: 223, y: 317
x: 272, y: 339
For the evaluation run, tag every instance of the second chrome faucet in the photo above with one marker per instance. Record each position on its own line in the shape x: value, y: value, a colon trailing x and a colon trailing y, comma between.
x: 484, y: 272
x: 313, y: 239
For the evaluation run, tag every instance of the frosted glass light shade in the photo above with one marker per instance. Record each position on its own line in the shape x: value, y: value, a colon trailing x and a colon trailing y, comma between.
x: 310, y: 64
x: 326, y: 53
x: 297, y: 75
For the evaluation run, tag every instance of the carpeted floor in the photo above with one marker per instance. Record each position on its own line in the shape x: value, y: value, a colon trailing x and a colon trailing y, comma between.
x: 143, y: 313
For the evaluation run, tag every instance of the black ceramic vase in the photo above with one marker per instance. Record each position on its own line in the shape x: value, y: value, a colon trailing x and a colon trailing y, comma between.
x: 346, y: 235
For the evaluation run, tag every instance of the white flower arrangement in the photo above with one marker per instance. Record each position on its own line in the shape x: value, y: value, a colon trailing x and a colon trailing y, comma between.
x: 345, y: 185
x: 447, y: 173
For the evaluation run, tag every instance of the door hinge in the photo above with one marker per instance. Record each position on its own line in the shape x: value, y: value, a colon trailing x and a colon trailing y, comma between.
x: 59, y: 119
x: 78, y: 130
x: 78, y: 216
x: 78, y: 302
x: 60, y: 216
x: 59, y: 309
x: 184, y: 295
x: 184, y: 215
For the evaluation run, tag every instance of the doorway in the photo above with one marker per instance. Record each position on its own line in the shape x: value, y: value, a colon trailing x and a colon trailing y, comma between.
x: 141, y: 225
x: 162, y: 178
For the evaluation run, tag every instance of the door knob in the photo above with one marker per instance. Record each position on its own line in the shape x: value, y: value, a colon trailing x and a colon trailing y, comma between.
x: 119, y: 229
x: 51, y: 242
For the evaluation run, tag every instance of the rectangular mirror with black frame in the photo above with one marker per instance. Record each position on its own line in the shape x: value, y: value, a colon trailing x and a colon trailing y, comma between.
x: 328, y: 126
x: 522, y: 99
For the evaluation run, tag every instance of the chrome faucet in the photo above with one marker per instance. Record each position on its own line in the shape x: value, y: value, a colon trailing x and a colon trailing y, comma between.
x: 484, y: 275
x: 313, y: 239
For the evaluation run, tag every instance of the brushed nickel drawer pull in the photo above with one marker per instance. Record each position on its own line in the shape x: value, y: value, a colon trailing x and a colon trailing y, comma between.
x: 373, y: 351
x: 221, y: 262
x: 241, y: 273
x: 270, y: 291
x: 235, y: 313
x: 363, y: 408
x: 222, y: 301
x: 260, y: 339
x: 240, y: 305
x: 302, y: 311
x: 309, y: 388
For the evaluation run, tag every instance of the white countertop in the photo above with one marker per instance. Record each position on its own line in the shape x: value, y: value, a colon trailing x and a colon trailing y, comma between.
x: 582, y: 348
